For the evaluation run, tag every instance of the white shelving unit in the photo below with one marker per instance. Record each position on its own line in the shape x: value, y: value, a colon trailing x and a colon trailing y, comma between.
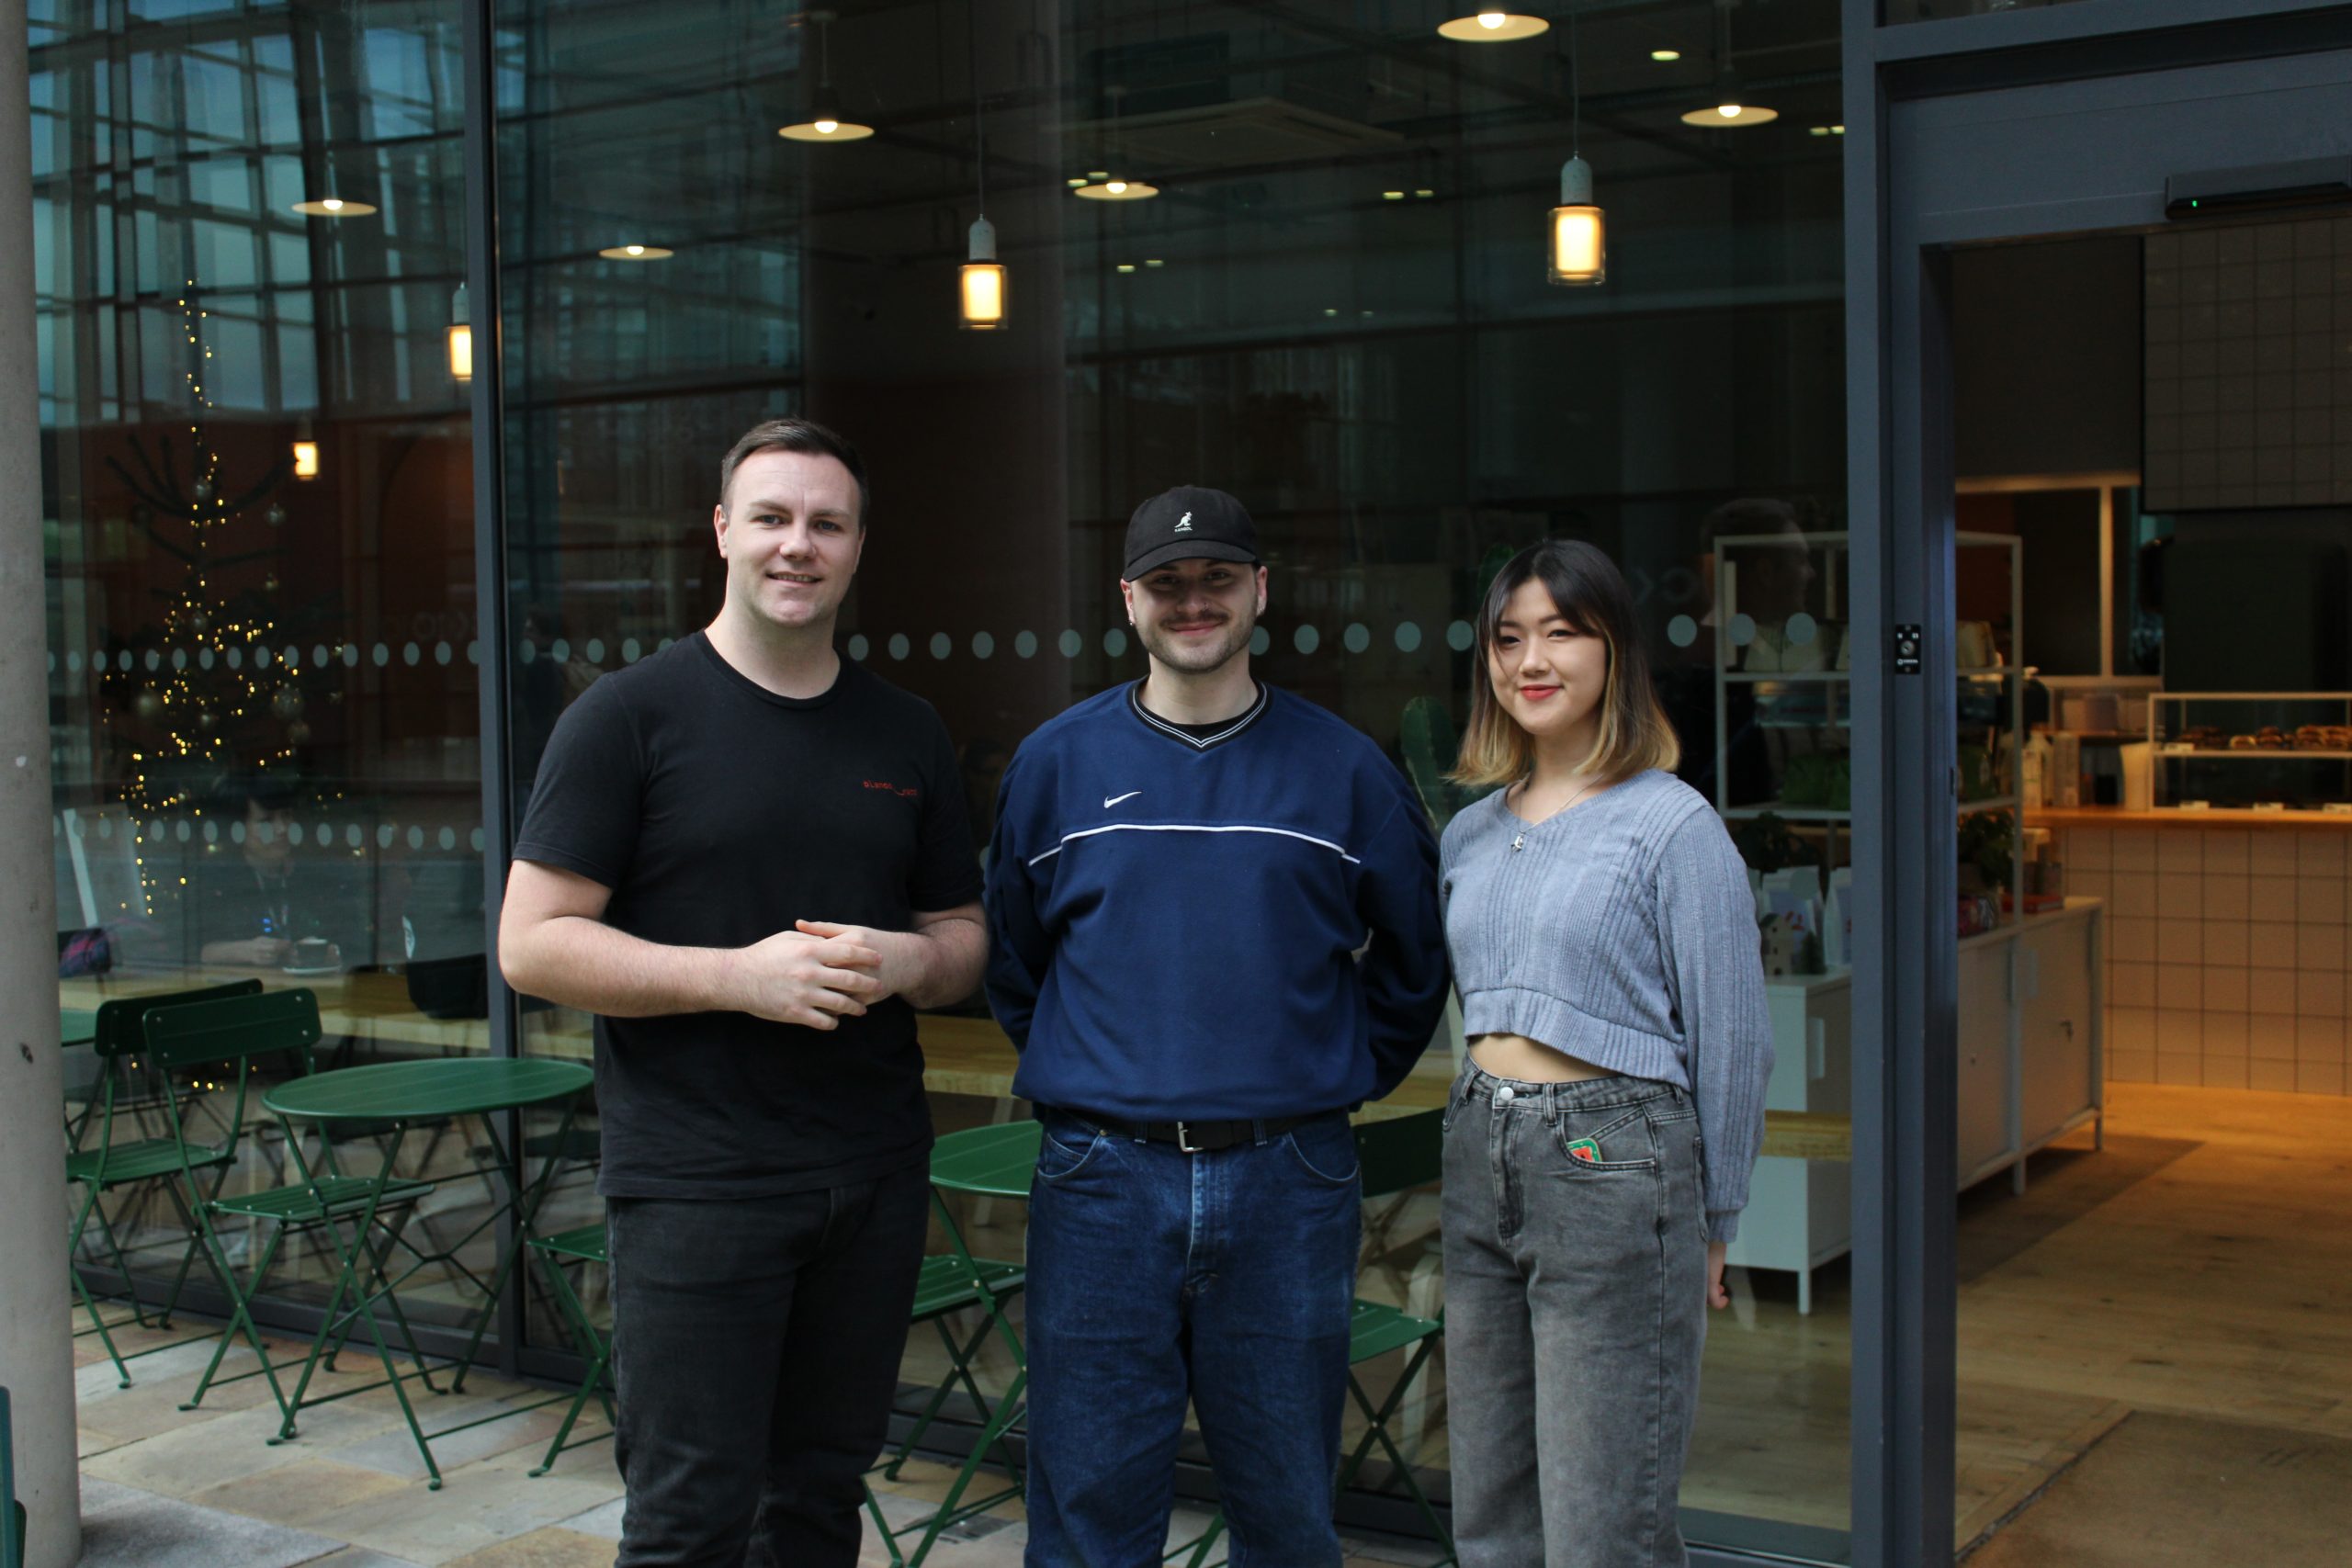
x: 2030, y: 1066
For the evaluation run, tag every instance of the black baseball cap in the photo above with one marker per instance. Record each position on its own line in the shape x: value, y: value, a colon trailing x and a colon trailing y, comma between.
x: 1189, y: 523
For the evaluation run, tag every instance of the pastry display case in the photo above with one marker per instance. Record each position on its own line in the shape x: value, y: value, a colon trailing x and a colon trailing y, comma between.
x: 2286, y: 752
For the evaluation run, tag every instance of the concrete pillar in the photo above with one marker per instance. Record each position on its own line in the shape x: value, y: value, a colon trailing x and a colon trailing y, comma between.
x: 36, y: 1346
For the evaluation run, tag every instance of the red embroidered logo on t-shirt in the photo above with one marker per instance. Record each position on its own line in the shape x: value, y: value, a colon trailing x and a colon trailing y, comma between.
x: 908, y: 794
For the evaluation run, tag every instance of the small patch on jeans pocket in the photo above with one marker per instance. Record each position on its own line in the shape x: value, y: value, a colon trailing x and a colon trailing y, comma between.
x: 1593, y: 1151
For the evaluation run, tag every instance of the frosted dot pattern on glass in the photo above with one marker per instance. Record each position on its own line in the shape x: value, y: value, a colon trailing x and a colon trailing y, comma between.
x: 1743, y: 629
x: 1800, y: 629
x: 942, y: 645
x: 1260, y: 641
x: 1459, y: 637
x: 1357, y: 637
x: 1024, y: 645
x: 1071, y: 643
x: 1408, y: 636
x: 1306, y: 639
x: 900, y: 646
x: 859, y: 648
x: 1682, y: 631
x: 1114, y: 642
x: 596, y: 651
x: 629, y: 651
x: 983, y: 645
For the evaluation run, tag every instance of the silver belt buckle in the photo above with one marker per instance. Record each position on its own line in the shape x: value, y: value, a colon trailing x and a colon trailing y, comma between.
x: 1183, y: 1142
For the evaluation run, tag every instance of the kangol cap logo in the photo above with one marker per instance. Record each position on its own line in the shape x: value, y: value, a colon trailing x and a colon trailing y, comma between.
x: 1185, y: 523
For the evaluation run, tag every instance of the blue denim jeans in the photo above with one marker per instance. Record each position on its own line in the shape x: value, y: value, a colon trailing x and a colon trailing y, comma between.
x: 1155, y: 1275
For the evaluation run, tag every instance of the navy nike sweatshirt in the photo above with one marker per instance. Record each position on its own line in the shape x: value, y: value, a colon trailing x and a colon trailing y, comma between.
x: 1236, y: 924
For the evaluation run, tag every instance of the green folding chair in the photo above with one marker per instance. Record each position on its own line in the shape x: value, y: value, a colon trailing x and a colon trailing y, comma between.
x: 1396, y: 1156
x: 12, y: 1512
x: 583, y: 1247
x: 274, y: 1030
x: 988, y: 1162
x: 137, y: 1161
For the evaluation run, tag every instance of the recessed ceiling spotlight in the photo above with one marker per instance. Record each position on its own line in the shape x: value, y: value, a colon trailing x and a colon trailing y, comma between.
x: 1493, y: 26
x: 1729, y: 114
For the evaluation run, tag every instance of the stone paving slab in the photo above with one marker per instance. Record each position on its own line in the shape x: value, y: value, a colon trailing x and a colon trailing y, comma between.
x: 123, y: 1527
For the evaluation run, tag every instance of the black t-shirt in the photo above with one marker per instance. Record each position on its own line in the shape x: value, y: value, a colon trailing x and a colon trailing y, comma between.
x: 718, y: 813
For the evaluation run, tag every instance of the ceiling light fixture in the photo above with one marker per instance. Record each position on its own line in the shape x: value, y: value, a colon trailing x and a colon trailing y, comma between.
x: 1107, y: 185
x: 461, y: 339
x: 983, y: 275
x: 333, y: 207
x: 1733, y: 114
x: 1580, y: 248
x: 1666, y: 56
x: 637, y: 253
x: 306, y: 452
x: 825, y: 121
x: 1493, y: 26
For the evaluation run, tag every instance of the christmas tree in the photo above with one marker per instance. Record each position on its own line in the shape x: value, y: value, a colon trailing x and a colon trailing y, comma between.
x: 209, y: 697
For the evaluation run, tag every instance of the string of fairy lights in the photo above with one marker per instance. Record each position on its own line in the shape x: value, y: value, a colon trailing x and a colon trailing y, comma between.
x: 199, y: 703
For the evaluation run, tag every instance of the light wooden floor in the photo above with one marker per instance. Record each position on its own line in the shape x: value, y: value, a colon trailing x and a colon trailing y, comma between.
x: 2202, y: 1267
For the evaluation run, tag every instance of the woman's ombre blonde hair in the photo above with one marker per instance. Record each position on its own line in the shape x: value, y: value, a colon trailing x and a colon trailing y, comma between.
x: 1590, y: 593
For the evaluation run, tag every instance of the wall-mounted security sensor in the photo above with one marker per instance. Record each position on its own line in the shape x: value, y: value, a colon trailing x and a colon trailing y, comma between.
x: 2224, y: 193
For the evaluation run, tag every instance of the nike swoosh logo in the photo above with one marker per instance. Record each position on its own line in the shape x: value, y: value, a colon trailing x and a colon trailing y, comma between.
x: 1111, y: 800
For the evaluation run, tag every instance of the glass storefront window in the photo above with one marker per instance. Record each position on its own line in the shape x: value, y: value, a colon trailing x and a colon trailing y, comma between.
x: 1332, y: 302
x: 263, y: 689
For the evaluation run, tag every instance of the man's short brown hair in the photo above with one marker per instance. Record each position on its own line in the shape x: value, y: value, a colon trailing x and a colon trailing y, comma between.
x: 795, y: 434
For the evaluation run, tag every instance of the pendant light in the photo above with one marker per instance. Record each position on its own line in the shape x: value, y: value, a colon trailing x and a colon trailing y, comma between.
x: 333, y: 207
x: 982, y: 291
x: 1111, y: 184
x: 825, y: 121
x: 1727, y: 112
x: 306, y: 451
x: 461, y: 339
x: 1492, y: 26
x: 1579, y: 244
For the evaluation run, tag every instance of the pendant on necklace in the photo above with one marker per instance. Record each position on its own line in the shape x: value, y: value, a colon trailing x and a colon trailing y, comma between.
x: 1520, y: 842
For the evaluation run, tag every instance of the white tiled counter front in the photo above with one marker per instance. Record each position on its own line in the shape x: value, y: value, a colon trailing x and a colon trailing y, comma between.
x: 2226, y: 953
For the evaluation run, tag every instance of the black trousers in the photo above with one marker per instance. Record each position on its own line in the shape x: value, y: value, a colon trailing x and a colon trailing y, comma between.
x: 756, y: 1352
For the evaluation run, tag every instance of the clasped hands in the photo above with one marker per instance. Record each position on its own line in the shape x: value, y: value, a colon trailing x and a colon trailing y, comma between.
x: 818, y: 974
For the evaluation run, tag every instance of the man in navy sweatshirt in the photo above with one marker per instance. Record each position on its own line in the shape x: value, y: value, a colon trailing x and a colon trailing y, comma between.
x: 1215, y: 929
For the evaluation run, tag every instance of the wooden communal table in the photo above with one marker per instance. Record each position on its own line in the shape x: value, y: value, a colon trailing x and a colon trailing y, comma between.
x: 971, y: 1055
x: 961, y: 1055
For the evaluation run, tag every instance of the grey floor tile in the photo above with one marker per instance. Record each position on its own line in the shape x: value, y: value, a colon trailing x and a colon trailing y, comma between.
x: 603, y: 1520
x: 123, y: 1527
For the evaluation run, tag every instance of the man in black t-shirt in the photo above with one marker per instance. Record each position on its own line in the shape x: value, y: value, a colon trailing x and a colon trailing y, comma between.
x: 751, y: 860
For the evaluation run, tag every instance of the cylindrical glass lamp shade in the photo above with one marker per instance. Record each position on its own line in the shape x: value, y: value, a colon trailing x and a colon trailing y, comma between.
x: 306, y: 459
x: 461, y: 352
x: 1580, y: 248
x: 983, y: 280
x: 983, y: 296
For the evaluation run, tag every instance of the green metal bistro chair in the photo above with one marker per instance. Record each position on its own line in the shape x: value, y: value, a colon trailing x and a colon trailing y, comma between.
x: 134, y: 1161
x: 276, y: 1029
x: 1396, y: 1156
x: 988, y: 1162
x: 12, y: 1512
x: 584, y: 1246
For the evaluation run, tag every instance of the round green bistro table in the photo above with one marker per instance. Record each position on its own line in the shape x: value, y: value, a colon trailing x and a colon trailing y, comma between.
x: 403, y: 1096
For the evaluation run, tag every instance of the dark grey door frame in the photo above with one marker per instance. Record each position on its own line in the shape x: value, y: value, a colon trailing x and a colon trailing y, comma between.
x: 1980, y: 130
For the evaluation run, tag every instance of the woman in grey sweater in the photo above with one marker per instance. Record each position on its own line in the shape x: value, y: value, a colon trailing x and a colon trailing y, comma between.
x: 1598, y: 1141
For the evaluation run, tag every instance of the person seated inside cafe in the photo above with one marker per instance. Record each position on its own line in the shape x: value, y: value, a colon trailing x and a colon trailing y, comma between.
x: 275, y: 906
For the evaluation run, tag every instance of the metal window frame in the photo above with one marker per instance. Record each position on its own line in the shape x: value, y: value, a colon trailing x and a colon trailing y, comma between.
x: 1941, y: 156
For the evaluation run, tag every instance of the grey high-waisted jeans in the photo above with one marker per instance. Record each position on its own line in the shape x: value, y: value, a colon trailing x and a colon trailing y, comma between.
x: 1575, y: 1268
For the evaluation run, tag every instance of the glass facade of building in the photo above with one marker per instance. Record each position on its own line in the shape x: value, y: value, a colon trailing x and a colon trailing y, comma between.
x: 265, y: 609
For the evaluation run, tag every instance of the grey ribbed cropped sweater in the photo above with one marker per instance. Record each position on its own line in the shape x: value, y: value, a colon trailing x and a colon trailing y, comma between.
x: 1623, y: 932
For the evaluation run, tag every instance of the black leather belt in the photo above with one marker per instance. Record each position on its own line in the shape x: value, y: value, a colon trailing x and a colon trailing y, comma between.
x: 1194, y: 1137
